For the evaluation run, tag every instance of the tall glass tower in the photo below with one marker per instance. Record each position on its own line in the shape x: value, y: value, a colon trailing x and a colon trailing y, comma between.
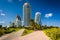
x: 26, y: 14
x: 38, y: 18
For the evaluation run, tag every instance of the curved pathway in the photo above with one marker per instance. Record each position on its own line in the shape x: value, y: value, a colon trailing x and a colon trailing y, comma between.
x: 37, y: 35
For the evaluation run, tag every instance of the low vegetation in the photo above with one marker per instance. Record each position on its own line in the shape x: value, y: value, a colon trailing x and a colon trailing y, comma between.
x: 5, y: 30
x: 26, y: 31
x: 34, y: 26
x: 53, y: 33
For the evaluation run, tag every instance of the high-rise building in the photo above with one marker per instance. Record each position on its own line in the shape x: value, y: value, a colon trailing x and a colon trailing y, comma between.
x: 17, y: 21
x: 38, y: 18
x: 26, y: 14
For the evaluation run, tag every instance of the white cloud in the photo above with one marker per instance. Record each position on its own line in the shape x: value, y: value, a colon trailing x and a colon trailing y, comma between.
x: 2, y: 14
x: 10, y: 0
x: 1, y: 22
x: 48, y: 15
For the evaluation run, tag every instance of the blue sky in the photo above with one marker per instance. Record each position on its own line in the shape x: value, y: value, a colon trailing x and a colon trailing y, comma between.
x: 49, y: 9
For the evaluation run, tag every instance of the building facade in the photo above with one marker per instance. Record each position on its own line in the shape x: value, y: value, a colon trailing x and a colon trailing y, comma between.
x: 26, y: 14
x: 17, y: 21
x: 38, y: 18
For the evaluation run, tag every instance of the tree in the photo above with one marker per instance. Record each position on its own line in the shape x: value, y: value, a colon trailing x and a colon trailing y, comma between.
x: 38, y: 27
x: 45, y: 27
x: 32, y: 24
x: 0, y: 26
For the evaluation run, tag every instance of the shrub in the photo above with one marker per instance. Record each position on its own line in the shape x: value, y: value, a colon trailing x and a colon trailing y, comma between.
x: 2, y: 32
x: 6, y: 30
x: 26, y: 31
x: 53, y: 33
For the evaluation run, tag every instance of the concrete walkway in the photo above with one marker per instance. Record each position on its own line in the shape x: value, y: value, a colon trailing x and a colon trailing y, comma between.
x: 37, y: 35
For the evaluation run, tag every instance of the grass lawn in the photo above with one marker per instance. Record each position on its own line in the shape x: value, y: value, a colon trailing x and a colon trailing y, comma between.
x: 26, y: 31
x: 53, y: 33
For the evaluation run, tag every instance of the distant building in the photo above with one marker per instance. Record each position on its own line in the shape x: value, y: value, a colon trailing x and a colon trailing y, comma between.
x: 17, y: 21
x: 26, y: 14
x: 38, y: 18
x: 11, y: 24
x: 22, y: 23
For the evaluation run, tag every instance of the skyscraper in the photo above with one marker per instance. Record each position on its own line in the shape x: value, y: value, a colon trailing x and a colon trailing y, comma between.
x: 17, y: 21
x: 26, y: 14
x: 38, y: 18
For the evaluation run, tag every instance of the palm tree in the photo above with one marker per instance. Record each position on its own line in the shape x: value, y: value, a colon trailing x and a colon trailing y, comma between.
x: 32, y: 24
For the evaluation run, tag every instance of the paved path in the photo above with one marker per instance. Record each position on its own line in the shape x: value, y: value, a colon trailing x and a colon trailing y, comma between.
x: 37, y: 35
x: 12, y: 35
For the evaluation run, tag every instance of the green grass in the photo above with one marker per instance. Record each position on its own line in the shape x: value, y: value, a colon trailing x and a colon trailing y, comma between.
x: 4, y: 31
x: 26, y: 31
x: 16, y: 29
x: 53, y: 33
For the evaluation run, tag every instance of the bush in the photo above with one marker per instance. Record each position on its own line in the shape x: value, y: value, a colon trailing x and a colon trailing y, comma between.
x: 26, y: 31
x: 5, y: 30
x: 8, y: 31
x: 53, y: 33
x: 2, y: 32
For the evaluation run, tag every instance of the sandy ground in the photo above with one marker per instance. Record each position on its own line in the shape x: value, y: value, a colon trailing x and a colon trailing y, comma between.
x: 36, y: 35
